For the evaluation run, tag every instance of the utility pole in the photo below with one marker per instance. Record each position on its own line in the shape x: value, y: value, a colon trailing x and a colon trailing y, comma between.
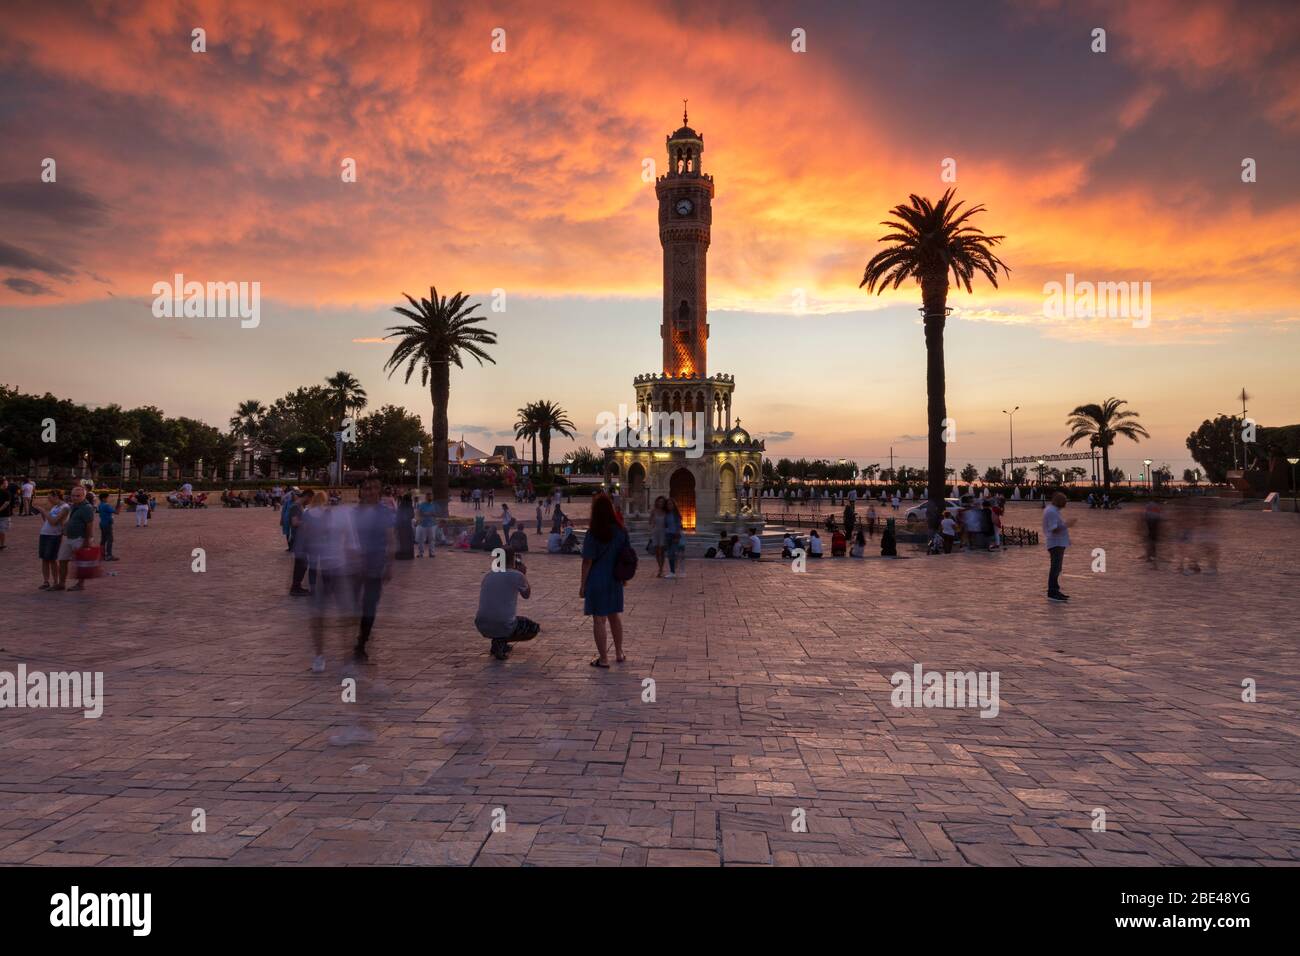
x: 1011, y: 430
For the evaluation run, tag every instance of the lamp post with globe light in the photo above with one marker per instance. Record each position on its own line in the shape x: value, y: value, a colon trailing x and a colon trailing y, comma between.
x: 1293, y: 462
x: 121, y: 482
x: 401, y: 471
x: 419, y: 450
x: 300, y: 449
x: 1150, y: 483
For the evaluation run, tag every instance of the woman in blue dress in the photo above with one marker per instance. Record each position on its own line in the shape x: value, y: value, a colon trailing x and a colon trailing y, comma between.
x: 602, y: 594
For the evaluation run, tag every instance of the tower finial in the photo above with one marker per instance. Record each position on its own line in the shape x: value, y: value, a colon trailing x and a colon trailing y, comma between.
x: 684, y: 122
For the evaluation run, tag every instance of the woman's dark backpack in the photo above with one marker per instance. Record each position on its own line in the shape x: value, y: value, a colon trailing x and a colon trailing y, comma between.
x: 625, y: 563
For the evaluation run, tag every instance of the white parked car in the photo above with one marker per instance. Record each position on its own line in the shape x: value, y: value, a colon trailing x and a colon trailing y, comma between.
x: 950, y: 506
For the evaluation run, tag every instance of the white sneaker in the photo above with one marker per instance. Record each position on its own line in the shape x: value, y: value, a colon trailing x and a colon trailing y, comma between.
x: 670, y: 575
x: 318, y: 664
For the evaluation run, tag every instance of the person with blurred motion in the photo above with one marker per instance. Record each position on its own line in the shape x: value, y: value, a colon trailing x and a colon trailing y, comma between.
x: 373, y: 525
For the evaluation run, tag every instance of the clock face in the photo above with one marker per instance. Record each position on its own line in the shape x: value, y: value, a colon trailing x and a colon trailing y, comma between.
x: 684, y: 207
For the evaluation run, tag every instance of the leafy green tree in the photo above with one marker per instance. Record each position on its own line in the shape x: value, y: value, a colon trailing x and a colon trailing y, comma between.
x: 969, y: 473
x: 315, y: 453
x: 390, y: 433
x: 310, y: 410
x: 1214, y: 446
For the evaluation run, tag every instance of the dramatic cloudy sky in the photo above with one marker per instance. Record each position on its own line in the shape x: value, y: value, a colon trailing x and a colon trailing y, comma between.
x: 522, y: 170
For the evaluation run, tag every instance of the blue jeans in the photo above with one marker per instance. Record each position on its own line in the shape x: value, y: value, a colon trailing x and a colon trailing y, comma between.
x: 1054, y: 572
x: 670, y: 545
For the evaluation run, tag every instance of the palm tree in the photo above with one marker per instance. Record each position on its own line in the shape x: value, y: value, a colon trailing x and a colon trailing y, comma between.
x: 1101, y: 425
x: 443, y: 329
x: 351, y: 396
x: 247, y: 418
x: 550, y: 419
x: 930, y: 240
x: 526, y: 428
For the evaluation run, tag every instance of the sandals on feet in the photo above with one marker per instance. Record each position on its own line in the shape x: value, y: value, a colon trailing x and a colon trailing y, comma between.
x: 597, y: 663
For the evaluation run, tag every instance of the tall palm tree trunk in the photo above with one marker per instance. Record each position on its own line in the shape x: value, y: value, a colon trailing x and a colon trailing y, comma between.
x: 534, y: 468
x: 1105, y: 467
x: 546, y: 452
x: 440, y: 392
x: 934, y: 295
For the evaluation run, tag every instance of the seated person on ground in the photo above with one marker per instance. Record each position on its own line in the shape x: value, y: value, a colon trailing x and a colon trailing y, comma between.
x: 518, y: 540
x: 814, y: 544
x: 553, y: 543
x: 569, y: 543
x: 755, y: 549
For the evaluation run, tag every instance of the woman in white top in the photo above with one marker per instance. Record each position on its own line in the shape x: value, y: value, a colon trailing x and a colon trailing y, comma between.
x: 51, y: 536
x: 814, y: 544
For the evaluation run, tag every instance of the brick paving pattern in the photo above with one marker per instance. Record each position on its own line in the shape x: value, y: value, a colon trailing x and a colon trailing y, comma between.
x: 772, y: 698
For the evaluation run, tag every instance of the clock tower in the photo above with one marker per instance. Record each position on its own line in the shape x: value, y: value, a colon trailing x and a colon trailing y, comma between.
x: 682, y: 443
x: 685, y: 216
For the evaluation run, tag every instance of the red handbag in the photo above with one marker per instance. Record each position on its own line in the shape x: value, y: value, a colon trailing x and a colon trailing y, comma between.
x: 86, y: 563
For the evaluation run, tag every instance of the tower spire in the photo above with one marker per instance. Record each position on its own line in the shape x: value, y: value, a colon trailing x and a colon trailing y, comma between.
x: 684, y: 121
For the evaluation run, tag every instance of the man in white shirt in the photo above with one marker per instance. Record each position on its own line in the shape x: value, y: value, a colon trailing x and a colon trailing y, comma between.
x: 29, y: 489
x: 1056, y: 537
x: 755, y: 545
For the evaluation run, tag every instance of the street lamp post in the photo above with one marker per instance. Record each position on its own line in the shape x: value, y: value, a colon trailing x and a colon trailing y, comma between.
x: 1011, y: 432
x: 122, y: 443
x: 419, y: 450
x: 1293, y: 462
x: 1150, y: 484
x: 1041, y: 465
x: 300, y: 449
x: 402, y: 470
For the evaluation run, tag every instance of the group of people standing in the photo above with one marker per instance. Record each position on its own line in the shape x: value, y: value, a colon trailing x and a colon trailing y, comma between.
x: 977, y: 524
x: 69, y: 522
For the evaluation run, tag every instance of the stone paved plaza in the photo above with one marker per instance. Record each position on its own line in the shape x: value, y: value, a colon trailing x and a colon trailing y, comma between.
x: 772, y: 695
